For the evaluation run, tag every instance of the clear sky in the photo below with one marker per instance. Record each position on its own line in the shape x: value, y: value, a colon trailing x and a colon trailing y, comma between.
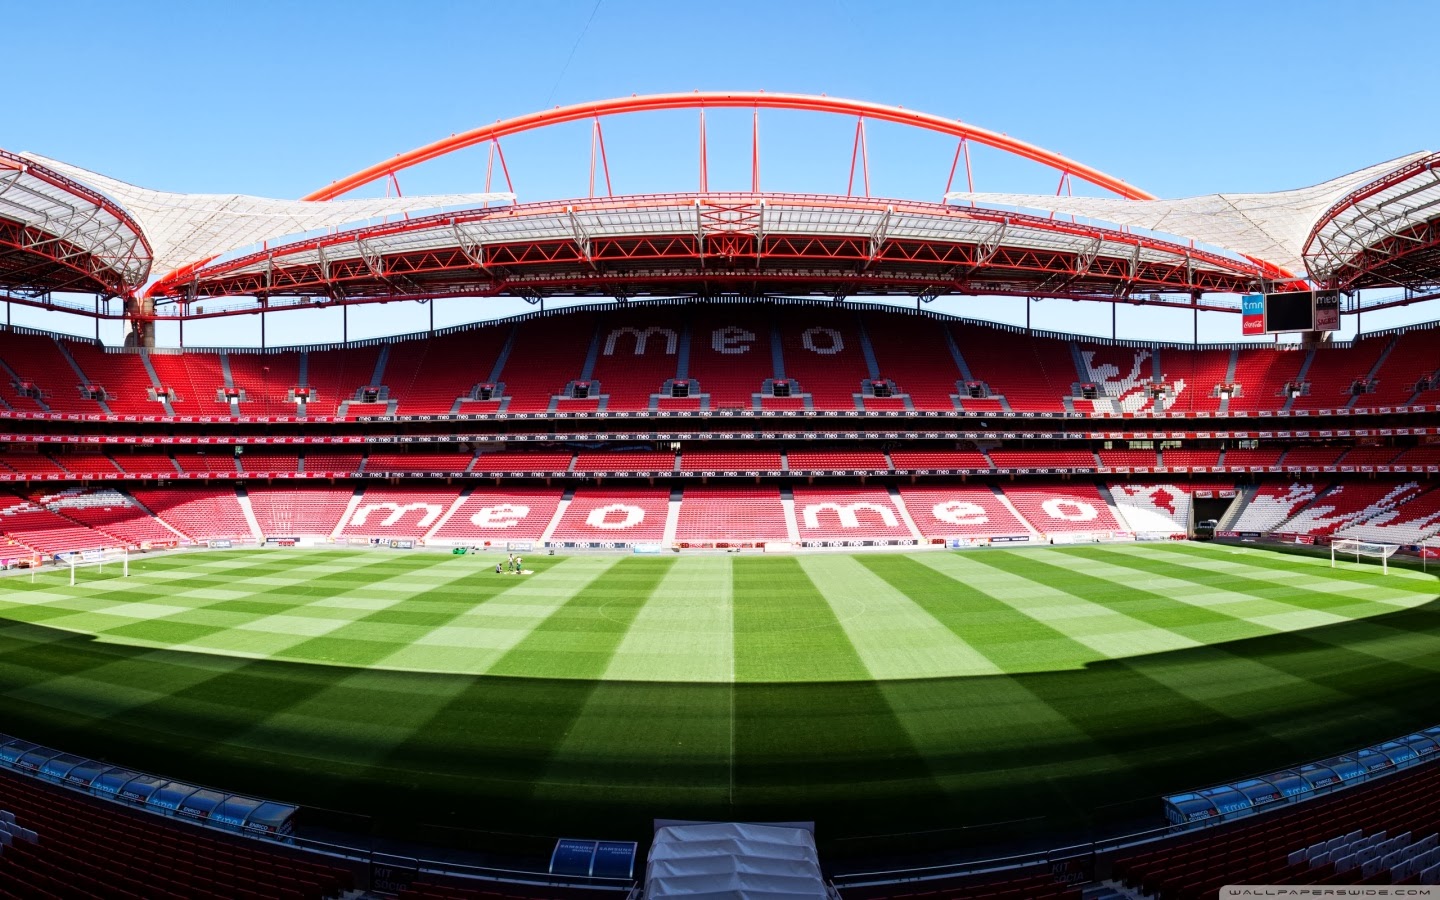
x: 278, y: 99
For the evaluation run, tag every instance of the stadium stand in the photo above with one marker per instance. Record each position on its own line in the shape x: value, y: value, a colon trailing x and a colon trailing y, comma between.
x: 729, y: 460
x: 614, y: 515
x: 1061, y: 509
x: 1281, y: 847
x: 111, y: 513
x: 1273, y: 504
x: 203, y: 513
x: 624, y: 462
x: 298, y: 511
x: 638, y: 354
x: 906, y: 460
x: 1041, y: 459
x: 1255, y: 459
x: 960, y: 511
x: 1128, y: 459
x: 731, y: 515
x: 404, y: 512
x: 1262, y: 374
x: 836, y: 460
x: 1411, y: 521
x: 1349, y: 504
x: 1154, y: 508
x: 74, y: 846
x: 854, y: 514
x: 490, y: 515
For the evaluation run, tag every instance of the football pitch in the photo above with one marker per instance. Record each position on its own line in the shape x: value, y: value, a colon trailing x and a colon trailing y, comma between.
x: 994, y: 692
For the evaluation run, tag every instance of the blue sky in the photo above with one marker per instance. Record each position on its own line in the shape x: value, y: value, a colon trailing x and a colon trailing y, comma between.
x: 280, y: 98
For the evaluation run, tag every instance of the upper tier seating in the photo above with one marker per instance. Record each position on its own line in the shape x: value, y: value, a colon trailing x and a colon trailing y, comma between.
x: 848, y: 514
x: 1350, y: 504
x: 730, y: 460
x: 1005, y: 458
x: 619, y: 515
x: 497, y: 515
x: 196, y: 380
x: 295, y: 511
x: 335, y: 375
x: 1259, y: 458
x: 417, y: 461
x: 833, y: 460
x: 426, y: 377
x: 505, y: 462
x: 1121, y: 375
x: 122, y: 375
x: 1312, y: 459
x: 960, y: 511
x: 21, y: 462
x: 625, y: 462
x: 1031, y: 373
x: 89, y: 847
x: 731, y: 514
x: 204, y: 513
x: 1177, y: 458
x: 1063, y: 507
x: 1194, y: 375
x: 917, y: 359
x: 217, y: 460
x: 639, y: 351
x: 1334, y: 371
x: 266, y: 379
x: 730, y: 354
x: 823, y: 351
x: 1368, y: 456
x: 727, y: 352
x: 322, y: 461
x: 1262, y: 373
x: 258, y: 461
x: 938, y: 459
x: 1128, y: 459
x: 1411, y: 359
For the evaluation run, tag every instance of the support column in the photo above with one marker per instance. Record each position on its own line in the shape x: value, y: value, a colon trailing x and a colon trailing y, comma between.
x: 139, y: 324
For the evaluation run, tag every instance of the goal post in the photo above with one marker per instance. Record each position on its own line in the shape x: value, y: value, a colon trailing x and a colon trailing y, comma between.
x: 1363, y: 549
x: 98, y: 558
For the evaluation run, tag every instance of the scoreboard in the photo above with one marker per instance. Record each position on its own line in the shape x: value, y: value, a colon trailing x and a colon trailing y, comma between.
x: 1290, y: 311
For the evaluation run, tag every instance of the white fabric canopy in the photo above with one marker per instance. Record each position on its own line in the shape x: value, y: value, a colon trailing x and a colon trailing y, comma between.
x: 1272, y: 227
x: 733, y: 861
x: 186, y: 228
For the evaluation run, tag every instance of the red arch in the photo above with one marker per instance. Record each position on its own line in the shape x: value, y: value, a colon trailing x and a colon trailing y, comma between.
x: 721, y: 99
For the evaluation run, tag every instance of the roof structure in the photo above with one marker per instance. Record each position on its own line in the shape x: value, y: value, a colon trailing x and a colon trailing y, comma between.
x: 669, y: 244
x: 59, y: 234
x: 65, y: 228
x: 1386, y: 232
x: 1272, y: 226
x: 184, y: 229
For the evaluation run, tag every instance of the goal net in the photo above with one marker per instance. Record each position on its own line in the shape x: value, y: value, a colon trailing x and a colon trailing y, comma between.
x: 1363, y: 549
x: 116, y: 559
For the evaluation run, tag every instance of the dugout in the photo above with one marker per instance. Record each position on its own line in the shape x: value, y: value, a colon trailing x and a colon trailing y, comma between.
x: 168, y: 797
x: 58, y: 768
x: 111, y: 781
x: 201, y: 804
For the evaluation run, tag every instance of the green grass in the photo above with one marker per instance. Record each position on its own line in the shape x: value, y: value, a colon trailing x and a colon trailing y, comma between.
x: 1046, y: 688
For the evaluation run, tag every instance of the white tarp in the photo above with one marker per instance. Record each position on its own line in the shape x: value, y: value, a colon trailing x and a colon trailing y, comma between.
x: 1270, y: 226
x: 733, y: 861
x: 187, y: 228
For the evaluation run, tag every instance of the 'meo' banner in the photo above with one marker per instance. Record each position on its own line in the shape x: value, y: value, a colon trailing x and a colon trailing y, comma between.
x: 1252, y: 314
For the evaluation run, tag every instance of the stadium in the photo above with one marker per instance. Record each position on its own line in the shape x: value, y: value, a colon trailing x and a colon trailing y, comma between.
x: 731, y: 564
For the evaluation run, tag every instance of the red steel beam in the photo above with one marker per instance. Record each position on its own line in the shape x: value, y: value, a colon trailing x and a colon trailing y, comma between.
x: 725, y: 99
